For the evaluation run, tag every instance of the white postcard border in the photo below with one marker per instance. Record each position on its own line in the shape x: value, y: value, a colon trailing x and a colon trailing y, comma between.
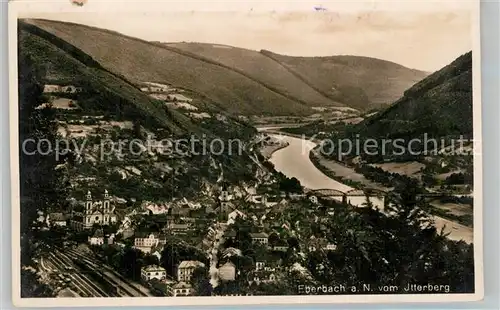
x: 16, y: 8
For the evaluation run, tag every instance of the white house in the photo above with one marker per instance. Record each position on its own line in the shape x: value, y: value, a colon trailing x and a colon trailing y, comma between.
x: 146, y: 242
x: 261, y: 238
x: 182, y: 289
x: 57, y: 219
x: 264, y: 277
x: 51, y: 88
x: 69, y: 89
x: 313, y: 199
x: 234, y: 215
x: 97, y: 238
x: 153, y: 272
x: 227, y: 272
x: 330, y: 247
x: 259, y: 265
x: 186, y: 269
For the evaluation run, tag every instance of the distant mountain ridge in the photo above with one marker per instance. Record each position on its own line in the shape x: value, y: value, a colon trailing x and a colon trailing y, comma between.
x: 242, y: 81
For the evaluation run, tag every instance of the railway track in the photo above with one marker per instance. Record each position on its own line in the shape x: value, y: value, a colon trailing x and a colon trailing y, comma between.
x: 125, y: 287
x: 67, y: 270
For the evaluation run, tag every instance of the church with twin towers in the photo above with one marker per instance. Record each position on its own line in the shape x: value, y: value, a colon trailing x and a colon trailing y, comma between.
x: 99, y: 212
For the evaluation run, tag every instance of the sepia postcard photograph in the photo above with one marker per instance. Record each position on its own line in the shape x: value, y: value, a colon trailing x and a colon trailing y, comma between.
x: 236, y: 153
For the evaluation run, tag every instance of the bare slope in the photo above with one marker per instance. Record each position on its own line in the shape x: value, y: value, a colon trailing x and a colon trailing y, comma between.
x: 141, y: 61
x: 358, y: 82
x: 260, y: 67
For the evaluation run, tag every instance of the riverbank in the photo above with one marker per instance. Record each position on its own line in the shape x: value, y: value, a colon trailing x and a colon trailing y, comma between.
x: 342, y: 173
x: 268, y: 150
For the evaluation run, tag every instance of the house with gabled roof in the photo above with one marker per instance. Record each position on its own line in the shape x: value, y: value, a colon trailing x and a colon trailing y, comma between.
x: 153, y: 272
x: 227, y: 272
x: 97, y: 238
x: 182, y: 289
x: 146, y: 242
x: 178, y: 228
x: 57, y: 219
x: 260, y: 237
x: 186, y: 268
x: 262, y: 276
x: 234, y: 215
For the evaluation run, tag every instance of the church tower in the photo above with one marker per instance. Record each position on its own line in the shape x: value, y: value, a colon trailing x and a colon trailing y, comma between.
x: 106, y: 202
x: 88, y: 203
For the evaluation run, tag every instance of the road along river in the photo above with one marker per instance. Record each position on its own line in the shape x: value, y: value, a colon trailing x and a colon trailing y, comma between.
x: 293, y: 161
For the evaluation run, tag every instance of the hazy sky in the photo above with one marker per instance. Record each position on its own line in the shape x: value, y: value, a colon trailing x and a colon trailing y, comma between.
x: 421, y: 35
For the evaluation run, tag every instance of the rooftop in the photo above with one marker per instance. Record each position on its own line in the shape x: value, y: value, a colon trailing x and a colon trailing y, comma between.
x: 230, y: 233
x: 191, y: 264
x: 153, y: 268
x: 182, y: 285
x: 57, y: 217
x: 142, y: 234
x: 259, y: 235
x: 228, y: 264
x: 178, y: 226
x: 98, y: 233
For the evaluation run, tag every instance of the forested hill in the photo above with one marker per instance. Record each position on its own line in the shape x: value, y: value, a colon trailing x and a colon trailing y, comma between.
x: 439, y: 105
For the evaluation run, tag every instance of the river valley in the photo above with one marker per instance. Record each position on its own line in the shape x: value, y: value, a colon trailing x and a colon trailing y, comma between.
x: 293, y: 161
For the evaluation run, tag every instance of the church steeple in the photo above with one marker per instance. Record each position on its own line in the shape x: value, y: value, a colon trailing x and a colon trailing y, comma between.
x: 106, y: 202
x: 88, y: 203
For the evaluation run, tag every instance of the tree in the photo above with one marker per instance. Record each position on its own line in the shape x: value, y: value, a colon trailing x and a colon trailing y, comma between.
x: 290, y: 185
x: 457, y: 178
x: 31, y: 285
x: 293, y: 242
x: 131, y: 263
x: 417, y: 240
x: 151, y: 260
x: 397, y: 247
x: 175, y: 252
x: 244, y: 264
x: 200, y: 280
x: 137, y: 129
x: 274, y: 239
x: 42, y: 186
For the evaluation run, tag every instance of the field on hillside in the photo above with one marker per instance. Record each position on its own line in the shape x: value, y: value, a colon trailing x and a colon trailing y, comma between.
x: 261, y: 67
x: 359, y: 82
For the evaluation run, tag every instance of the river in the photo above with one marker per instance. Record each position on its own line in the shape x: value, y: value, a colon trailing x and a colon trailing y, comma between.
x: 293, y: 161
